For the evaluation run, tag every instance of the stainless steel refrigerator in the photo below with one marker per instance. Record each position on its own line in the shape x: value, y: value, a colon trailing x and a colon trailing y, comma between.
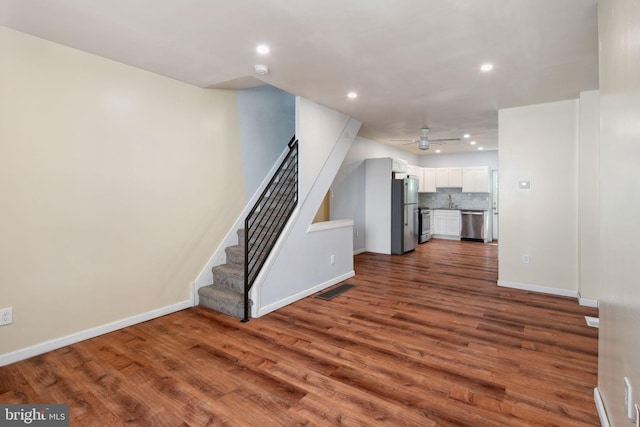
x: 404, y: 215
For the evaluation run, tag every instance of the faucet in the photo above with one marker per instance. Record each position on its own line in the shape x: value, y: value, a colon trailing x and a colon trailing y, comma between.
x: 450, y: 202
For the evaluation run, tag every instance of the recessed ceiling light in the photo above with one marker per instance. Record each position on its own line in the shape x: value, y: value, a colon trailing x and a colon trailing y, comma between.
x: 352, y: 95
x: 486, y: 67
x: 263, y: 49
x: 466, y: 135
x: 480, y: 148
x: 472, y: 143
x: 437, y: 151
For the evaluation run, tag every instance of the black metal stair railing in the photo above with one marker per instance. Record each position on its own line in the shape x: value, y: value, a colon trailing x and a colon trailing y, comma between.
x: 268, y: 217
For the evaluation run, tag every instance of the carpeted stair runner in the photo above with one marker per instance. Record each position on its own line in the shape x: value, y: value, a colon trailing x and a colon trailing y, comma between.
x: 226, y: 293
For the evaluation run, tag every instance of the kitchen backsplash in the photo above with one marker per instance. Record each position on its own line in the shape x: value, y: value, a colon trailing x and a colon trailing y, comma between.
x: 476, y: 201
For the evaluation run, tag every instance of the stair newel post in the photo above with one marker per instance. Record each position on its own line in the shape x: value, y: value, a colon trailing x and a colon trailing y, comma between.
x: 246, y: 270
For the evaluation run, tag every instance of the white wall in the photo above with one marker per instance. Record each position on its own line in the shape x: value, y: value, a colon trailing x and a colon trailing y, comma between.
x: 267, y: 123
x: 479, y: 158
x: 301, y: 262
x: 116, y: 185
x: 321, y: 129
x: 619, y: 204
x: 348, y: 188
x: 538, y: 143
x: 589, y: 197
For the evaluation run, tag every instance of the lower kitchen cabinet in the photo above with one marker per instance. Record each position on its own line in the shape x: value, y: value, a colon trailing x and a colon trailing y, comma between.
x: 431, y: 224
x: 446, y: 223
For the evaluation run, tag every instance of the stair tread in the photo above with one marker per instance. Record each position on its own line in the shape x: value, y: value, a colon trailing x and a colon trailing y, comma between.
x: 210, y: 291
x: 223, y: 300
x: 229, y: 269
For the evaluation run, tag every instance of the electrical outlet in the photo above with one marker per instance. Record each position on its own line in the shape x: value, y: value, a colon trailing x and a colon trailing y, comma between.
x: 6, y: 316
x: 333, y: 259
x: 525, y: 259
x: 628, y: 399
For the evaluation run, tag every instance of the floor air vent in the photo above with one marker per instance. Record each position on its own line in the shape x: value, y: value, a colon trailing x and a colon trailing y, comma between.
x: 594, y: 322
x: 335, y: 291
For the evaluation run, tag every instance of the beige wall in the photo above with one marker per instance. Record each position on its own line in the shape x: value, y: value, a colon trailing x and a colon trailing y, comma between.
x: 324, y: 211
x: 619, y: 203
x: 538, y: 143
x: 116, y: 186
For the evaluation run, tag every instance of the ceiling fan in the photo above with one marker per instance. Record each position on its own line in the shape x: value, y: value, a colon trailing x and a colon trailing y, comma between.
x: 423, y: 142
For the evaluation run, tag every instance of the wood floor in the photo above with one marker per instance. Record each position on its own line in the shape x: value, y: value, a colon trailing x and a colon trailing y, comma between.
x: 424, y: 339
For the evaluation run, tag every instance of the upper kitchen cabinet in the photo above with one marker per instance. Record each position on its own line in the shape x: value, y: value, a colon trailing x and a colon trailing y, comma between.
x: 398, y: 165
x: 414, y: 171
x: 426, y: 178
x: 475, y: 179
x: 428, y: 181
x: 448, y: 177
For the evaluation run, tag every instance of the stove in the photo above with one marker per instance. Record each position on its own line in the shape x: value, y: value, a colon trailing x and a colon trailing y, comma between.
x: 424, y: 225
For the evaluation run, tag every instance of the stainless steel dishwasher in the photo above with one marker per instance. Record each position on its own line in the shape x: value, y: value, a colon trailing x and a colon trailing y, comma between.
x: 472, y: 227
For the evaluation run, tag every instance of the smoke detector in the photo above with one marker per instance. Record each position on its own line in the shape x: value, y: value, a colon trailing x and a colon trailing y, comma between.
x: 261, y: 69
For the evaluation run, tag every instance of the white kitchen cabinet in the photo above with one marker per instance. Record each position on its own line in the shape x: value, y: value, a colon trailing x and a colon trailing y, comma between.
x: 442, y: 177
x: 455, y: 177
x: 431, y: 223
x: 414, y: 171
x: 428, y: 182
x: 448, y: 177
x: 475, y: 179
x: 399, y: 165
x: 438, y: 224
x: 446, y: 224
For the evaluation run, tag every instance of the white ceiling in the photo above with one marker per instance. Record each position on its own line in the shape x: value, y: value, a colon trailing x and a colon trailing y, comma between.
x: 413, y: 62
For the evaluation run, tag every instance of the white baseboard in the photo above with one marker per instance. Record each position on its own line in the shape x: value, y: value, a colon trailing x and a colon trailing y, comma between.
x: 54, y: 344
x: 588, y: 302
x: 536, y: 288
x: 293, y: 298
x: 602, y: 413
x: 359, y: 251
x: 444, y: 237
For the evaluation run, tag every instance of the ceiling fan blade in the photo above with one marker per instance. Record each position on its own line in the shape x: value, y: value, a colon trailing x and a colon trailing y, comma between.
x: 404, y: 139
x: 444, y: 139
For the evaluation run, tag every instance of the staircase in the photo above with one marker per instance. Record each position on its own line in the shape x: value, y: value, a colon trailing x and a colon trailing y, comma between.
x: 232, y: 281
x: 226, y: 294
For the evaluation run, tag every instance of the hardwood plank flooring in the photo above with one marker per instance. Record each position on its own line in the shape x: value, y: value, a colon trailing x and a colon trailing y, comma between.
x: 424, y: 339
